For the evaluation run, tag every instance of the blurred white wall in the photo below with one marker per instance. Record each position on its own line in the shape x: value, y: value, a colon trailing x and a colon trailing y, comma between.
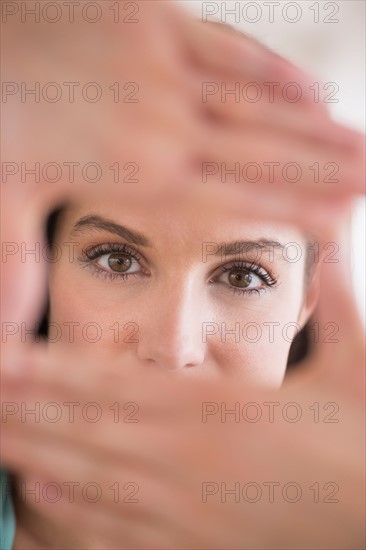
x: 328, y: 40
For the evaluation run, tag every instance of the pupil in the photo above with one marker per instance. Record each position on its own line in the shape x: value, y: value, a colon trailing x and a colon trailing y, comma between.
x: 119, y: 263
x: 240, y: 278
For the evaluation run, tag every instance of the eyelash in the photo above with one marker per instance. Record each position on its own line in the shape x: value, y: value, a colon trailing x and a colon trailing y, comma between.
x: 89, y: 255
x: 267, y: 277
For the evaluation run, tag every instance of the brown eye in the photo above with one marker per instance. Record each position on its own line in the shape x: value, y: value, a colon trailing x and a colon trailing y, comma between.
x: 240, y: 278
x: 119, y: 262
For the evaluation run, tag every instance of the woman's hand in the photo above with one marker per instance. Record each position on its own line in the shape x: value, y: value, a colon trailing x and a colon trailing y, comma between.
x: 126, y: 89
x: 152, y: 90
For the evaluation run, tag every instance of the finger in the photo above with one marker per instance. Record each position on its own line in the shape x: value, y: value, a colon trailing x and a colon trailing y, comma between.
x: 88, y: 484
x: 24, y: 208
x: 221, y: 49
x: 237, y: 99
x: 264, y: 202
x: 232, y: 102
x: 341, y: 349
x: 18, y: 276
x: 296, y: 165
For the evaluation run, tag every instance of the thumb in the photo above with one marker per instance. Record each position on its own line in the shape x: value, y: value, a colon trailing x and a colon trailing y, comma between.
x: 23, y: 263
x: 341, y: 348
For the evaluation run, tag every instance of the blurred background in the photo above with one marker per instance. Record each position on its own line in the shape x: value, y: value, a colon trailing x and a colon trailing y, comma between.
x: 327, y: 39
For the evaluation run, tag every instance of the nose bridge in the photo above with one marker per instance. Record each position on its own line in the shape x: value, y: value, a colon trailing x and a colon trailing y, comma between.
x: 170, y: 335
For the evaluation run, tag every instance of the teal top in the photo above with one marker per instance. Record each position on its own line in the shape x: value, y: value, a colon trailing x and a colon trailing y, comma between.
x: 7, y: 516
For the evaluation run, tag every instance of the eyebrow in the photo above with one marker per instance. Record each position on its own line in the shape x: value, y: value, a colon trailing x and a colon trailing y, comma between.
x: 238, y: 247
x: 99, y: 223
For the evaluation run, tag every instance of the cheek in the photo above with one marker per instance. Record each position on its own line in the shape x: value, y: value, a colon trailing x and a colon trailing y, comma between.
x: 259, y: 361
x: 88, y: 317
x: 255, y: 342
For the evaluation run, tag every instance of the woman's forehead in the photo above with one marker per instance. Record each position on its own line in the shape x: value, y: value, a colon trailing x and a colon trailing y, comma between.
x: 191, y: 216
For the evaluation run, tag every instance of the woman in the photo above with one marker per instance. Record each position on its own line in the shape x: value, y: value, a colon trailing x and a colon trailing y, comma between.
x: 171, y: 289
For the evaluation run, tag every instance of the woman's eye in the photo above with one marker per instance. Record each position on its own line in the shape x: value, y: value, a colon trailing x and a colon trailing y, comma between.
x: 242, y: 279
x: 118, y: 262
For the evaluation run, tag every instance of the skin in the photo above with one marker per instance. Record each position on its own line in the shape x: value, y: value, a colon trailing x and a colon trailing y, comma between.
x: 179, y: 302
x: 73, y: 452
x: 171, y: 451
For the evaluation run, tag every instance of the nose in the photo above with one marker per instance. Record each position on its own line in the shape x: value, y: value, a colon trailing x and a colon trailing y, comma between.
x: 170, y: 335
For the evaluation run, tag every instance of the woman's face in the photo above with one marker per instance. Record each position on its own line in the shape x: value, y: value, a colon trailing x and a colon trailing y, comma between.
x: 178, y: 286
